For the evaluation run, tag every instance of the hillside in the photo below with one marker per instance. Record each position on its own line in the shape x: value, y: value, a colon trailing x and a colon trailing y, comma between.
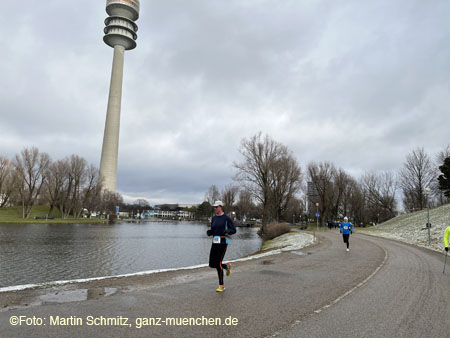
x: 408, y: 228
x: 36, y: 211
x: 13, y: 215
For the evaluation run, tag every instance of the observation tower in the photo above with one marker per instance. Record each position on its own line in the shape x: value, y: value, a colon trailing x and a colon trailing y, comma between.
x: 120, y: 34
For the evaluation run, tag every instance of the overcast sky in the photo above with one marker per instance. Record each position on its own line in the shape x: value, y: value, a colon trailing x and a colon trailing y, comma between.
x: 357, y: 83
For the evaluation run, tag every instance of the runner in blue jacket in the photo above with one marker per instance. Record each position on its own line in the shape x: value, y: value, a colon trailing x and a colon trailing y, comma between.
x: 346, y: 228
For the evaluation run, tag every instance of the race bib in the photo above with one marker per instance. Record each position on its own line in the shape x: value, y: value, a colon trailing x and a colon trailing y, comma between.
x: 216, y: 239
x: 345, y: 227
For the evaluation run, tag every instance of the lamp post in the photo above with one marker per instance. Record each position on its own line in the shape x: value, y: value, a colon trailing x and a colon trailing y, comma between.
x: 427, y: 192
x: 317, y: 215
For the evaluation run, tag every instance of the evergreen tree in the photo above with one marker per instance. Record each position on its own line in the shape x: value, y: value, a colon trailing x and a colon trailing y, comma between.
x: 204, y: 210
x: 444, y: 179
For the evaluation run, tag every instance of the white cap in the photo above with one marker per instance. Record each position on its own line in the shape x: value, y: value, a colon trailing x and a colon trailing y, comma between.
x: 217, y: 203
x: 346, y: 218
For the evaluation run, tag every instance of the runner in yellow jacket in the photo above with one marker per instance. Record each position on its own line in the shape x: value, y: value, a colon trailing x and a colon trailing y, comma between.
x: 447, y: 238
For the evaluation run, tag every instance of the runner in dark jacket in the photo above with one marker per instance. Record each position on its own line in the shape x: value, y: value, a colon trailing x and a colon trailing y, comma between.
x: 222, y: 228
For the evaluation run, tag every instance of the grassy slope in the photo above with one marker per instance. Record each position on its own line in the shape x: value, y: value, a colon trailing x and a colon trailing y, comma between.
x: 408, y: 227
x: 14, y: 215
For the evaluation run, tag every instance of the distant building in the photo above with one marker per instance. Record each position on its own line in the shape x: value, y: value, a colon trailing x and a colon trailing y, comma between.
x: 187, y: 205
x: 172, y: 211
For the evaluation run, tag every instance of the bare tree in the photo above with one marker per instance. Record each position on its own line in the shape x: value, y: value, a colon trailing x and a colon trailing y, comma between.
x: 338, y: 193
x: 350, y: 191
x: 92, y: 200
x: 286, y: 182
x: 142, y: 203
x: 356, y: 203
x: 245, y: 205
x: 322, y: 175
x: 294, y: 210
x: 417, y: 174
x: 71, y: 198
x: 72, y: 186
x: 57, y: 174
x: 7, y: 181
x: 228, y: 196
x: 31, y: 167
x: 379, y: 192
x: 212, y: 194
x: 110, y: 200
x: 68, y: 184
x: 91, y: 191
x: 257, y: 173
x: 78, y: 173
x: 342, y: 185
x: 64, y: 202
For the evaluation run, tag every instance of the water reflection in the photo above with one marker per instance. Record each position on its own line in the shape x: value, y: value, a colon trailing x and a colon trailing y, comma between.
x: 34, y: 253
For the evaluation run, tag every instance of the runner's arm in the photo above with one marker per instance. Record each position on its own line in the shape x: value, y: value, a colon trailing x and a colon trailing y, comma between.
x: 231, y: 227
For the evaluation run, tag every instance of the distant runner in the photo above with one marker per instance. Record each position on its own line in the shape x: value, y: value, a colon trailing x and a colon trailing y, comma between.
x: 221, y: 228
x: 346, y: 228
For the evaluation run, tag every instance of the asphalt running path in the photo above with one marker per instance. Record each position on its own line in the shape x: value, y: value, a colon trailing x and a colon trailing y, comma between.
x: 408, y: 297
x: 378, y: 289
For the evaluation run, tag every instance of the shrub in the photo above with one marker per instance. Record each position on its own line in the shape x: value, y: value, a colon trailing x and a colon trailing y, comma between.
x: 275, y: 230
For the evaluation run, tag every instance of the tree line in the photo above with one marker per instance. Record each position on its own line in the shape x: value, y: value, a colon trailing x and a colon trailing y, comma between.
x: 270, y: 184
x: 71, y: 185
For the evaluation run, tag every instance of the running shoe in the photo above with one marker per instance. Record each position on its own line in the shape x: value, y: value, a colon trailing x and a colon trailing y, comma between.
x: 221, y: 288
x: 228, y: 269
x: 348, y: 249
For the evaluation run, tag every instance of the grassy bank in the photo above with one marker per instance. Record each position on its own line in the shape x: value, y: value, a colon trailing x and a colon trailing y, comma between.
x: 410, y: 228
x: 13, y: 215
x: 279, y: 233
x: 293, y: 240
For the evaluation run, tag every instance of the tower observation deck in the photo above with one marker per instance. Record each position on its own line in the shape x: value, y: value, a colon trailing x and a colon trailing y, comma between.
x: 120, y: 27
x: 120, y: 33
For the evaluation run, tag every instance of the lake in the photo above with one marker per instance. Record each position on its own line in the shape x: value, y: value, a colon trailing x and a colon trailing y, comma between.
x: 36, y: 253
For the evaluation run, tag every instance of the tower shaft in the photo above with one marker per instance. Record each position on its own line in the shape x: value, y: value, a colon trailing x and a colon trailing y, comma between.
x: 108, y: 162
x: 120, y: 33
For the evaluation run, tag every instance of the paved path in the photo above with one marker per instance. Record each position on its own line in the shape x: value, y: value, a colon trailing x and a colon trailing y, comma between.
x: 408, y: 297
x: 384, y: 289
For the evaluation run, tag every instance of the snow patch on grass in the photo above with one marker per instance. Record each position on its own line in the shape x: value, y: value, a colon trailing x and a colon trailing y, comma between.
x: 289, y: 241
x: 409, y: 228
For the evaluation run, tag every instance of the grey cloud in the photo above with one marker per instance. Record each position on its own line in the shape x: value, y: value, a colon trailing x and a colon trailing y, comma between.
x: 356, y: 83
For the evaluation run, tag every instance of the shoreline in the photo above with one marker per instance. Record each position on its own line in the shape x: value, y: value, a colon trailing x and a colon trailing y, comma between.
x: 12, y: 221
x: 20, y: 221
x: 294, y: 240
x: 42, y: 220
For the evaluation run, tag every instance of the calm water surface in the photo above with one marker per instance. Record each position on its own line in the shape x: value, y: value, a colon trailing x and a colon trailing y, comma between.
x: 35, y: 253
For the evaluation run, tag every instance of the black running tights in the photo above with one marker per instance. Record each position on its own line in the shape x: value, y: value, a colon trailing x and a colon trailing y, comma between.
x: 215, y: 259
x: 346, y: 239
